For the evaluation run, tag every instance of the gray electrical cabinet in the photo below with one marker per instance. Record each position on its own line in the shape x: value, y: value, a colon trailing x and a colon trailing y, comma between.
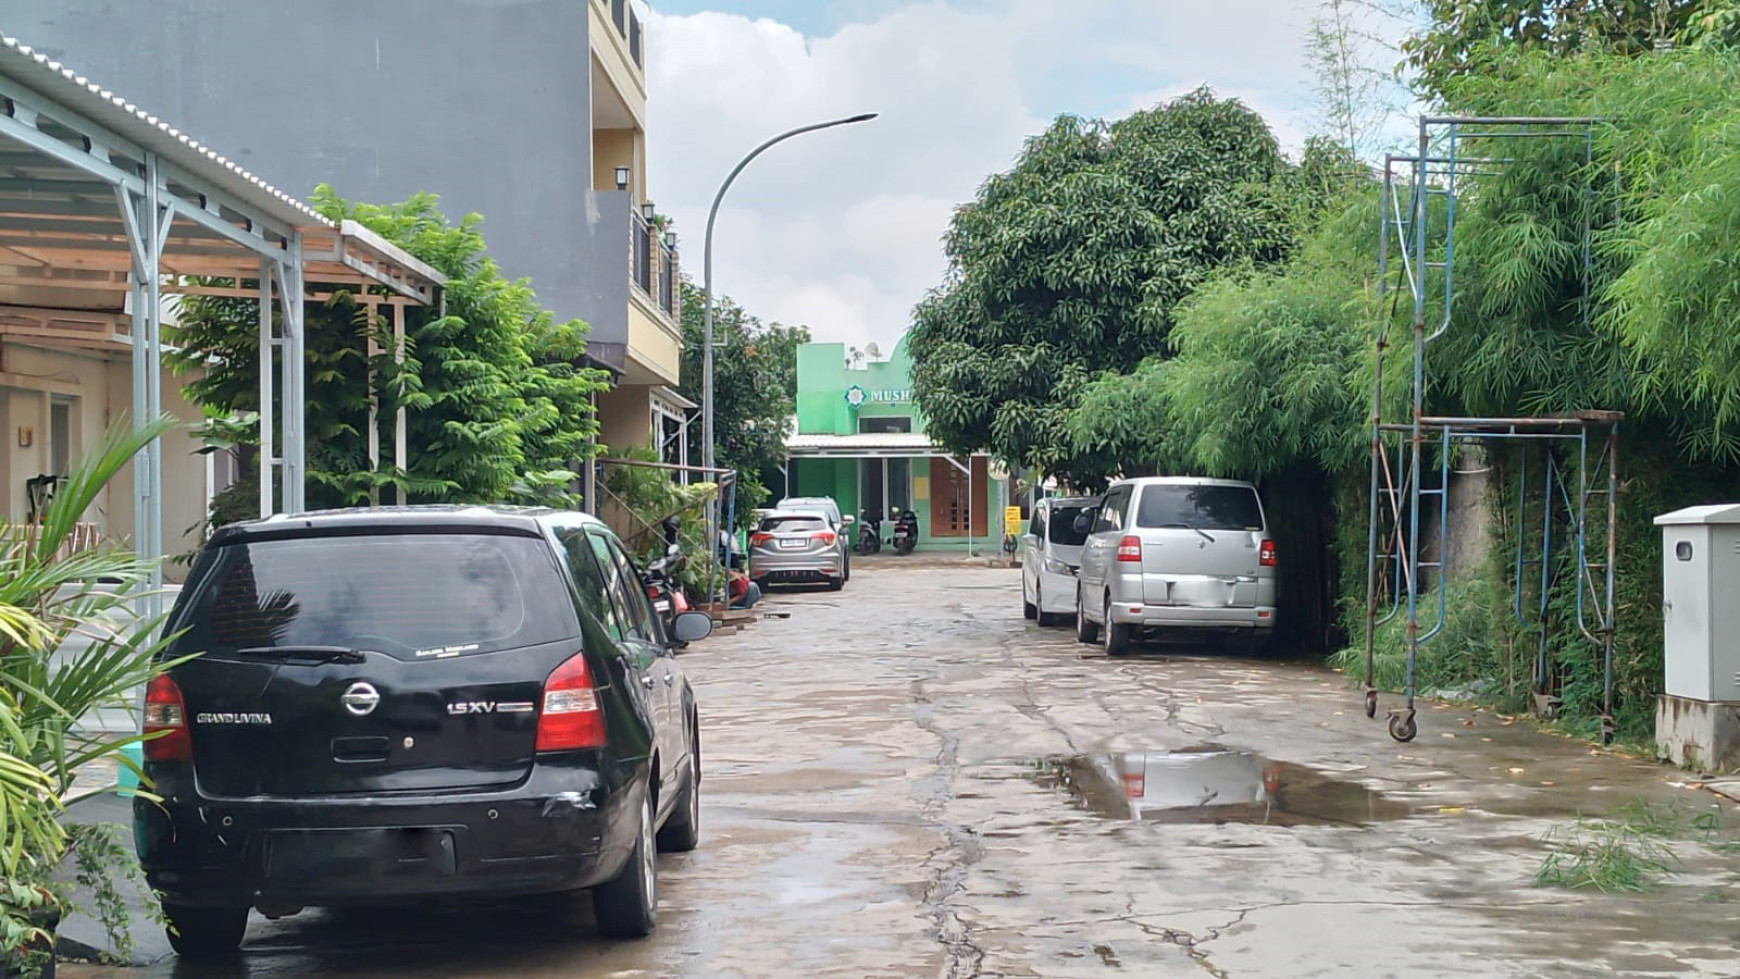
x: 1700, y: 579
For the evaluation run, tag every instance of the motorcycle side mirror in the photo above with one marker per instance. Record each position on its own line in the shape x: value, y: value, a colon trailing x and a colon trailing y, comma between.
x: 692, y: 626
x: 1084, y: 521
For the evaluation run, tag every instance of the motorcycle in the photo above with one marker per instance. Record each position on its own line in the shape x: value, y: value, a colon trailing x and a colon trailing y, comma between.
x: 905, y: 531
x: 869, y: 533
x: 662, y: 590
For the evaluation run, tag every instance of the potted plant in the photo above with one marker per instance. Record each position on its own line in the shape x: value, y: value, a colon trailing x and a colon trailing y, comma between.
x: 52, y: 591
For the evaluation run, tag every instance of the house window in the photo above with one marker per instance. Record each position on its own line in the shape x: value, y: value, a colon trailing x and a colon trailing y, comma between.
x: 885, y: 424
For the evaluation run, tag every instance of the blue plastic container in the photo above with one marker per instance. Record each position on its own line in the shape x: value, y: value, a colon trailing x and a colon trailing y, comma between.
x: 128, y: 780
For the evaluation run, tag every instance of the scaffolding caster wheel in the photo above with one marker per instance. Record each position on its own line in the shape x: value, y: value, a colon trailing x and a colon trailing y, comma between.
x: 1402, y: 726
x: 1371, y: 703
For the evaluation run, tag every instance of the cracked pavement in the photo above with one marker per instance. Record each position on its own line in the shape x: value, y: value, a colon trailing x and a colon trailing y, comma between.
x: 878, y: 802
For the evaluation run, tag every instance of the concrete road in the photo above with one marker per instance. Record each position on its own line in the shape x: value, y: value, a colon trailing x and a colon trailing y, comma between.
x: 907, y: 778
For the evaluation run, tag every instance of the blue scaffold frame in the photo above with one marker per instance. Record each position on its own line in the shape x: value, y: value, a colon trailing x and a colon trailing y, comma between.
x: 1399, y: 449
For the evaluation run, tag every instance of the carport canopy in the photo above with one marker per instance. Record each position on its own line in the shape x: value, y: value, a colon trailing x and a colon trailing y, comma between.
x: 106, y: 209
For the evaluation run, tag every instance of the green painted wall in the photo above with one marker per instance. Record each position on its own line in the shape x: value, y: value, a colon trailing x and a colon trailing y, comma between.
x: 823, y: 379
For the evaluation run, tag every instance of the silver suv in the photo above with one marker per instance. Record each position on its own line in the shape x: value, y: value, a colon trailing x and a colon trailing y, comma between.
x: 829, y: 511
x: 1172, y: 552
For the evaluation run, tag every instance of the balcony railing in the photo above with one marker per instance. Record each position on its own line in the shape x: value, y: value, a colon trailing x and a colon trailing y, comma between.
x: 653, y: 266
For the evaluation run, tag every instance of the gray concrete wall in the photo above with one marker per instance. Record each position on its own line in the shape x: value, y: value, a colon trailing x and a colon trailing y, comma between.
x: 484, y: 102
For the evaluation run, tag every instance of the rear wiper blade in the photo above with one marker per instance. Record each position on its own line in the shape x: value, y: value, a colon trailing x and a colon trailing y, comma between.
x: 320, y: 654
x: 1190, y: 526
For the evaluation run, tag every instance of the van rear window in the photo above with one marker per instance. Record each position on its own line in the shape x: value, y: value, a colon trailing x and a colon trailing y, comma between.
x: 1200, y: 507
x: 411, y: 596
x: 793, y: 524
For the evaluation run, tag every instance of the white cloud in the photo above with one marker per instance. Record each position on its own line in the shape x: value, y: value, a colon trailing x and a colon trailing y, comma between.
x: 841, y: 229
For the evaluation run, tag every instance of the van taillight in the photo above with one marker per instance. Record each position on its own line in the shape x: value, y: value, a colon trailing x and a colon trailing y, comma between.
x: 759, y: 538
x: 1266, y: 554
x: 570, y: 717
x: 825, y: 536
x: 1130, y: 549
x: 166, y: 734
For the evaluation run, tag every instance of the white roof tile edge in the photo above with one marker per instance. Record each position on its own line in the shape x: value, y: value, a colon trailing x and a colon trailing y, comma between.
x: 68, y: 76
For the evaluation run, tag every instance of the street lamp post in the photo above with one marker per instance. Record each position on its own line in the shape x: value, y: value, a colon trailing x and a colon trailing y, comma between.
x: 707, y: 331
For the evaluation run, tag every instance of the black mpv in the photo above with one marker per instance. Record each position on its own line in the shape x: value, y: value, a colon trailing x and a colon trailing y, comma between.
x: 398, y: 704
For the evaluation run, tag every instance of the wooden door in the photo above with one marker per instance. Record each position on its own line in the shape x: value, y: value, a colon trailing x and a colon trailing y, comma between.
x: 949, y: 506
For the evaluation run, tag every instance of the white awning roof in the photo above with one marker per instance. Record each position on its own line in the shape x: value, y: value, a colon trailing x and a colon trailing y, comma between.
x: 865, y: 445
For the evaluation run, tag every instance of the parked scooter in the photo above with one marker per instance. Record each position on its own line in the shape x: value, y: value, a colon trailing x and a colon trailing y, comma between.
x: 905, y: 531
x: 869, y: 532
x: 662, y: 589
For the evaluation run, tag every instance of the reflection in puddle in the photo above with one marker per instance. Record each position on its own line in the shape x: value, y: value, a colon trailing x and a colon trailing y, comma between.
x: 1212, y: 785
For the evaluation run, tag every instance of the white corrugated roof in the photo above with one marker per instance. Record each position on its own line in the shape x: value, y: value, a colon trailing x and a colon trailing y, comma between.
x: 865, y: 445
x: 862, y: 440
x: 53, y: 79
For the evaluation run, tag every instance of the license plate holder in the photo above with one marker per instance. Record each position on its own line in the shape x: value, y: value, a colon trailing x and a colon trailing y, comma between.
x: 792, y: 545
x: 361, y: 854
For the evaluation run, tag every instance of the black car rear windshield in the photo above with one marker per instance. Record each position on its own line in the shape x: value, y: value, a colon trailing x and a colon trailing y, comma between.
x: 412, y: 596
x: 1062, y: 530
x: 1201, y: 507
x: 793, y: 524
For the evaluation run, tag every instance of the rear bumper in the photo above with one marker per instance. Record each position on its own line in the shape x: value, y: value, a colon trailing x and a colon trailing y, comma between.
x: 798, y: 567
x: 1258, y: 617
x: 796, y: 577
x: 540, y: 838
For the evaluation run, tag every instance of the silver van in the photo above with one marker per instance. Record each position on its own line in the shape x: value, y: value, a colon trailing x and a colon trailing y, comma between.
x: 1171, y: 552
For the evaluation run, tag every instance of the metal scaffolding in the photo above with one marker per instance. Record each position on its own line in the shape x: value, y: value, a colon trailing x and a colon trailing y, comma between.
x: 1404, y: 452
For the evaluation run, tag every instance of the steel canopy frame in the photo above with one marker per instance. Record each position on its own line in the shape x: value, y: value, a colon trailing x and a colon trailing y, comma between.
x: 104, y: 208
x: 1394, y: 561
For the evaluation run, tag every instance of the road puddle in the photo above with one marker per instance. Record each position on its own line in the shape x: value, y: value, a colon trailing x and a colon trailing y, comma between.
x: 1210, y: 784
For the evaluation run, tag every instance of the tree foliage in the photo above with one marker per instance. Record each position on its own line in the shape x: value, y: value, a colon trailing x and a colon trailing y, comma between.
x: 754, y: 380
x: 497, y: 405
x: 1265, y: 370
x: 1071, y: 264
x: 1356, y: 94
x: 1464, y: 37
x: 1662, y: 193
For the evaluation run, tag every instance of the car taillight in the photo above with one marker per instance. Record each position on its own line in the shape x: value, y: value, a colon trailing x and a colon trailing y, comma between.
x: 168, y: 738
x: 1266, y: 554
x: 570, y: 717
x: 1130, y: 549
x: 825, y: 536
x: 759, y: 538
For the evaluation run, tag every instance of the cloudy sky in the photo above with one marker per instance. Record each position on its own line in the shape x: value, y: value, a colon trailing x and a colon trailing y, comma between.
x: 840, y: 229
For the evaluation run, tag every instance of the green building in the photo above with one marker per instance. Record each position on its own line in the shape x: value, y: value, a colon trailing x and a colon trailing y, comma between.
x: 860, y: 439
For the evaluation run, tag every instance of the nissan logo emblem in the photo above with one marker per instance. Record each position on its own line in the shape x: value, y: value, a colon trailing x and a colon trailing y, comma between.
x: 361, y: 699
